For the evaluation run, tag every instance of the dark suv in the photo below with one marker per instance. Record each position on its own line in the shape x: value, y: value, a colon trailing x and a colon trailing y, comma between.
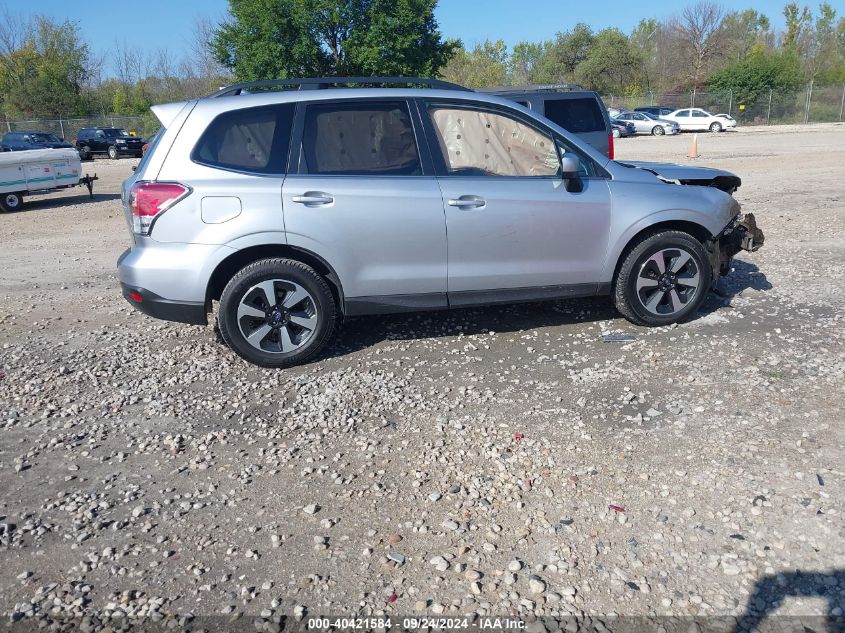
x: 579, y: 111
x: 112, y: 141
x: 22, y: 141
x: 658, y: 111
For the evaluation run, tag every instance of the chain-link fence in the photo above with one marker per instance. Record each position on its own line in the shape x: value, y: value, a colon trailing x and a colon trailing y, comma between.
x: 68, y: 128
x: 769, y: 107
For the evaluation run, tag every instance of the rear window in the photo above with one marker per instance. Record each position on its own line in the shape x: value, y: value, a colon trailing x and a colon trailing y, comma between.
x: 576, y: 115
x: 363, y: 138
x: 253, y: 140
x: 153, y: 144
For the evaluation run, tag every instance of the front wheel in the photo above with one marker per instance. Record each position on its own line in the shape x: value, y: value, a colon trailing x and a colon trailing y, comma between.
x: 112, y: 151
x: 10, y: 202
x: 616, y: 133
x: 715, y: 126
x: 277, y: 313
x: 658, y: 131
x: 663, y: 279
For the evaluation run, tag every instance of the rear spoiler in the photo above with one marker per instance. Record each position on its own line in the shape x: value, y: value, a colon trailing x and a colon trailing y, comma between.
x: 166, y: 113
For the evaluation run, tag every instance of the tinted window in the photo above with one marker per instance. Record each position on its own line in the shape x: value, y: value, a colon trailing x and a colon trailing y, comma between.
x: 699, y: 113
x: 483, y: 143
x: 683, y: 113
x: 363, y: 138
x: 252, y: 139
x: 576, y: 115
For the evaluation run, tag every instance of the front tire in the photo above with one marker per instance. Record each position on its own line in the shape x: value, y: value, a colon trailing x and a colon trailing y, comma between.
x: 663, y: 279
x: 657, y: 131
x: 11, y: 202
x: 715, y: 126
x: 277, y: 313
x: 616, y: 133
x: 112, y: 151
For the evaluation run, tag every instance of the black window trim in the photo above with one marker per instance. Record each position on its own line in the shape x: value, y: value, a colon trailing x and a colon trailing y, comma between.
x: 285, y: 171
x: 297, y: 165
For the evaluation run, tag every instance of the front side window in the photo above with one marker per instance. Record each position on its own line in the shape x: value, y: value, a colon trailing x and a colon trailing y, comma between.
x: 483, y: 143
x: 700, y: 114
x: 587, y: 168
x: 374, y: 138
x: 252, y: 140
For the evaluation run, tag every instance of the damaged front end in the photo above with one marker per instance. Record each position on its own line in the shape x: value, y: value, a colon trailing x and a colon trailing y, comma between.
x: 742, y: 234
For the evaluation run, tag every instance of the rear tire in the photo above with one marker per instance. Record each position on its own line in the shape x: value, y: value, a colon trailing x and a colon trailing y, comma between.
x: 657, y: 131
x: 715, y: 126
x: 277, y: 313
x: 112, y: 151
x: 663, y: 279
x: 11, y: 202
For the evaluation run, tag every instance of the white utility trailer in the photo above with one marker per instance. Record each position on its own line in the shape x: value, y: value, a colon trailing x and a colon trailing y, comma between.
x: 39, y: 171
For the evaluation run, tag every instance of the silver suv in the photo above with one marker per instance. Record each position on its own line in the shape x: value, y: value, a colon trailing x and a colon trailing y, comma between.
x: 294, y: 208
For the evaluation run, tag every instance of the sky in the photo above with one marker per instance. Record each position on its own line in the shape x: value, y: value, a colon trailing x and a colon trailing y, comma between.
x: 154, y: 24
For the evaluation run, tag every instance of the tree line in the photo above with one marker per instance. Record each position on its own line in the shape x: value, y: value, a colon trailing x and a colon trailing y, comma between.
x: 704, y: 47
x: 47, y: 69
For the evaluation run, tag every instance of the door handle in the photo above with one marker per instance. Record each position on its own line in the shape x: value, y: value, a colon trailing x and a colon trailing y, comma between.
x: 467, y: 202
x: 313, y: 197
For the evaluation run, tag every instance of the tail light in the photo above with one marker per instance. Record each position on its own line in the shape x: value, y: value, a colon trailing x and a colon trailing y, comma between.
x: 610, y: 146
x: 148, y: 200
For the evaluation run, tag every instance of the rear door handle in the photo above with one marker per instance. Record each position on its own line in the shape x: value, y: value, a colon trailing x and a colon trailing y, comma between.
x: 467, y: 202
x: 313, y: 197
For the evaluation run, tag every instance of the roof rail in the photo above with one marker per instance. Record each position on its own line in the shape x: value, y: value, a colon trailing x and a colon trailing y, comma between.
x: 535, y: 88
x: 320, y: 83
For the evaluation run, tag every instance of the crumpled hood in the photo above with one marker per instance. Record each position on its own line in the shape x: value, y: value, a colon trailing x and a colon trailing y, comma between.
x: 689, y: 175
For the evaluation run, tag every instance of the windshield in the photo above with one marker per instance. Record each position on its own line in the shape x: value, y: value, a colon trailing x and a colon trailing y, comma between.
x: 115, y: 132
x: 45, y: 138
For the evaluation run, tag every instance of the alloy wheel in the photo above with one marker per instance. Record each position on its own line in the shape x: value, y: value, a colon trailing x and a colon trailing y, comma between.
x: 277, y: 316
x: 667, y: 281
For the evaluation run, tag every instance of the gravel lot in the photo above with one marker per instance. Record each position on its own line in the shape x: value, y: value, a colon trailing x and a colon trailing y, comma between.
x: 502, y: 461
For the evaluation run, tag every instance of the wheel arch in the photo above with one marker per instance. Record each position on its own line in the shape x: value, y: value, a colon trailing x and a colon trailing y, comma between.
x: 699, y: 232
x: 227, y: 268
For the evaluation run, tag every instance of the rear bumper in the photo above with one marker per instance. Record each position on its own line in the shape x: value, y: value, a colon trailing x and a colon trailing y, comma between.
x: 159, y: 308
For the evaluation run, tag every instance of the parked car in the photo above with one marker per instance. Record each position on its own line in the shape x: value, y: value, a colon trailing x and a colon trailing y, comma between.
x: 294, y: 208
x: 614, y: 112
x: 622, y: 129
x: 658, y: 111
x: 112, y: 141
x: 644, y: 124
x: 696, y: 119
x: 577, y: 110
x: 23, y: 141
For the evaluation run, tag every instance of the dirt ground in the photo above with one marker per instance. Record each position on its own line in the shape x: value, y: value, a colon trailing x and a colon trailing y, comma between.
x: 503, y: 461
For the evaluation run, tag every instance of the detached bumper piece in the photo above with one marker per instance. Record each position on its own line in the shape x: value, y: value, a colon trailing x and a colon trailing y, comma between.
x: 742, y: 234
x: 159, y: 308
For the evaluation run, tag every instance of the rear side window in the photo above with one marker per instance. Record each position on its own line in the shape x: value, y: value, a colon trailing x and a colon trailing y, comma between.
x: 253, y: 140
x: 576, y: 115
x: 359, y: 138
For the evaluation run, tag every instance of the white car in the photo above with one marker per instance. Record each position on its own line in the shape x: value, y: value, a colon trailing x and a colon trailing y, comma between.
x: 698, y: 119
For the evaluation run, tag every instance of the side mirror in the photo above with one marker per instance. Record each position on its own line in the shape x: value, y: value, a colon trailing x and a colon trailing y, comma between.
x: 569, y: 166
